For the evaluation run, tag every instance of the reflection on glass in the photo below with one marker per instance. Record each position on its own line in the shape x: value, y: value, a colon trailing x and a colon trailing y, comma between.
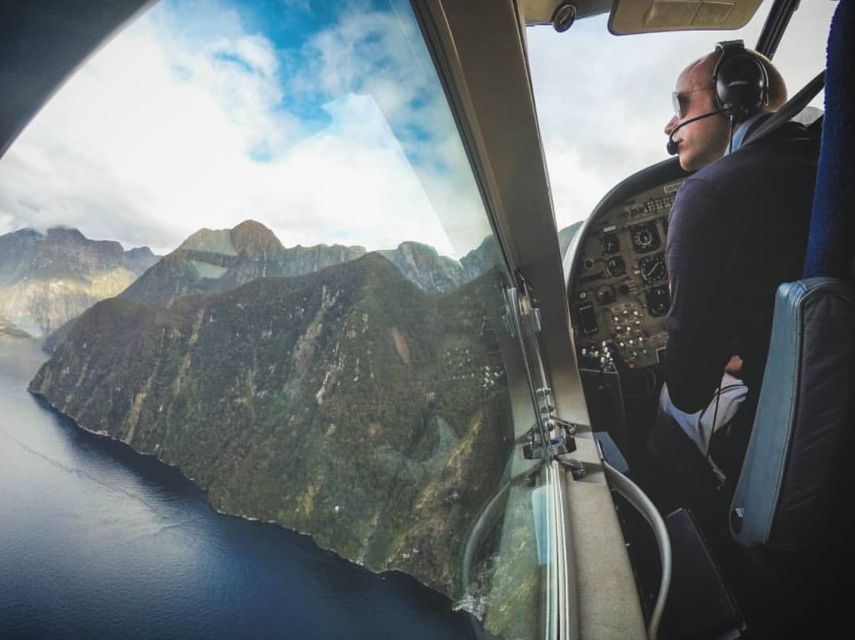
x: 328, y: 346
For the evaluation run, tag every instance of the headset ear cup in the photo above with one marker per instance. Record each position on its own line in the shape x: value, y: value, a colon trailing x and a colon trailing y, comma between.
x: 741, y: 86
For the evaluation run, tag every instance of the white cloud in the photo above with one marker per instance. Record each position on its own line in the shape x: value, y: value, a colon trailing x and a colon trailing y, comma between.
x: 380, y: 54
x: 349, y: 183
x: 167, y: 131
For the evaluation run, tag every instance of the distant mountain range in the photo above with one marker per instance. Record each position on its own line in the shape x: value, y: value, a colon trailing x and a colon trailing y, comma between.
x: 566, y: 235
x: 214, y: 261
x: 47, y: 279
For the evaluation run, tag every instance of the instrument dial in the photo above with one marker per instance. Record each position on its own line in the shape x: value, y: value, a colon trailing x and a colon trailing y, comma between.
x: 645, y: 237
x: 606, y: 294
x: 616, y: 266
x: 658, y: 301
x: 653, y: 269
x: 609, y: 244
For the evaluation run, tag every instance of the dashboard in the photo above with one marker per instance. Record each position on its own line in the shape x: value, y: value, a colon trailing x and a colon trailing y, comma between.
x: 619, y: 282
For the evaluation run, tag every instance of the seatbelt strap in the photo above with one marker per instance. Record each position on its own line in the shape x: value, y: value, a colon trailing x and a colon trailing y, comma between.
x: 792, y: 108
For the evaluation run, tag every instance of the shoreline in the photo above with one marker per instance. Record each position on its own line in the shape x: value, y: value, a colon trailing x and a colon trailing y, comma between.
x: 46, y: 404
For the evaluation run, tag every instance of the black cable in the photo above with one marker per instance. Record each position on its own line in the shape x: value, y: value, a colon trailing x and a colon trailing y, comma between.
x: 712, y: 430
x: 672, y: 146
x: 715, y: 419
x: 730, y: 141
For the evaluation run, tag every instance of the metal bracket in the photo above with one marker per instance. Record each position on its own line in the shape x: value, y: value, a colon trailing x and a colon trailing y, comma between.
x: 536, y: 322
x: 570, y: 428
x: 544, y: 398
x: 561, y: 440
x: 574, y: 466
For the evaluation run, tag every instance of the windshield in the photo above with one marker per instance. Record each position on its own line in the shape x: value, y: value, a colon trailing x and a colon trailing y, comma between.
x: 603, y: 101
x: 302, y: 303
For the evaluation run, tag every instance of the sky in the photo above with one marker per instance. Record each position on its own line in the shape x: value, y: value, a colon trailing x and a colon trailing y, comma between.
x: 325, y: 122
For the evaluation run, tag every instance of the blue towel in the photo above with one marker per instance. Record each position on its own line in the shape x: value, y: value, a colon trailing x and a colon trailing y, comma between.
x: 831, y: 245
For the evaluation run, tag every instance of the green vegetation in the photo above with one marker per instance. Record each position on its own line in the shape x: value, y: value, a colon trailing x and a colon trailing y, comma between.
x: 346, y: 403
x: 336, y: 393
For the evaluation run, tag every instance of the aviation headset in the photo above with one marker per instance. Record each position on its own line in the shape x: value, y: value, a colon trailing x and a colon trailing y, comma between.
x: 740, y: 81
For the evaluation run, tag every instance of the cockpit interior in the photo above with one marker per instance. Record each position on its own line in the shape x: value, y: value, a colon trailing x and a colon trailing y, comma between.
x: 618, y: 294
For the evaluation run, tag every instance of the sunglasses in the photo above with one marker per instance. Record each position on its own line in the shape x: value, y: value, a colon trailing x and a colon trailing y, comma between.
x: 680, y: 101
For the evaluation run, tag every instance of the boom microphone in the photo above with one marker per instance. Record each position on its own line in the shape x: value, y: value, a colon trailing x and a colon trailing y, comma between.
x: 671, y: 147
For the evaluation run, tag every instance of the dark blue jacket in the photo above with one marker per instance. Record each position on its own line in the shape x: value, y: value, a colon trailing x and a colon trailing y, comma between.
x: 738, y: 229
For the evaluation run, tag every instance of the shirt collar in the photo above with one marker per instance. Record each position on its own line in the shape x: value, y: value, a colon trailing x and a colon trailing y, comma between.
x: 743, y: 129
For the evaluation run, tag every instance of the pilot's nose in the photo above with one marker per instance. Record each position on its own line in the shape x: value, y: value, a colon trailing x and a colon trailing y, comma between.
x: 669, y: 127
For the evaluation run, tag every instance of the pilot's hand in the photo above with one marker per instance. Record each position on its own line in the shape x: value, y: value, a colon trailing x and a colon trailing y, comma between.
x: 734, y: 365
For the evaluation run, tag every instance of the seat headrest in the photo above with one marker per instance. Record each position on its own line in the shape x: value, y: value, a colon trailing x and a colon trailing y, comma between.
x: 831, y: 244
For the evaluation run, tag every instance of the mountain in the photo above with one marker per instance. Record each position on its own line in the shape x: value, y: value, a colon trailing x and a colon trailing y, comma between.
x: 424, y: 267
x: 9, y: 330
x: 480, y: 259
x: 47, y: 279
x: 346, y: 403
x: 353, y: 402
x: 212, y: 261
x: 566, y: 235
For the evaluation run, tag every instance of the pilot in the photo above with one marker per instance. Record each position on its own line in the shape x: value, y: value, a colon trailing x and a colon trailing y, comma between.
x: 738, y: 228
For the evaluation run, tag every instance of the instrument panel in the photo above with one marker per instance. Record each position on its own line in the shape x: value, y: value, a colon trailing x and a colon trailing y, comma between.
x: 619, y: 292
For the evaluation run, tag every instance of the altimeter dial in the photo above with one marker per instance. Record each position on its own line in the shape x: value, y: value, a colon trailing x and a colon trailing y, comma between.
x: 645, y: 237
x: 653, y: 269
x: 609, y: 244
x: 616, y: 266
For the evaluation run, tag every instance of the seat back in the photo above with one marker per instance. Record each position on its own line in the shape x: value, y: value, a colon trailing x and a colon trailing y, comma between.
x: 797, y: 474
x: 791, y: 482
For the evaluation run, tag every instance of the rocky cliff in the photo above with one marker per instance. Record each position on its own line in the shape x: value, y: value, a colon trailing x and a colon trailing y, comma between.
x: 46, y: 279
x: 346, y: 403
x: 423, y: 266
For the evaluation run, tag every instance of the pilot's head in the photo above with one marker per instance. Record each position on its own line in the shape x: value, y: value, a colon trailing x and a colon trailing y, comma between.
x: 701, y: 142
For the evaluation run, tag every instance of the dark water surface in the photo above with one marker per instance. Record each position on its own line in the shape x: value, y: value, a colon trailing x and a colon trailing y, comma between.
x: 97, y: 541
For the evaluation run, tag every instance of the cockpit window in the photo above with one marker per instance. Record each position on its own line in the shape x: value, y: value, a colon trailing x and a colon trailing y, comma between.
x: 325, y: 340
x: 603, y: 101
x: 801, y: 53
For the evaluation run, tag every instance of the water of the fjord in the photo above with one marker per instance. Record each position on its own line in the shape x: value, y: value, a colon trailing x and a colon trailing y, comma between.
x: 99, y: 542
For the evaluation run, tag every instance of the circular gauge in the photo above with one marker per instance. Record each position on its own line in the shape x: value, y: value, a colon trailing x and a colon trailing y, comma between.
x: 653, y: 269
x: 645, y: 237
x: 658, y: 301
x: 616, y: 266
x: 606, y: 294
x: 609, y: 244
